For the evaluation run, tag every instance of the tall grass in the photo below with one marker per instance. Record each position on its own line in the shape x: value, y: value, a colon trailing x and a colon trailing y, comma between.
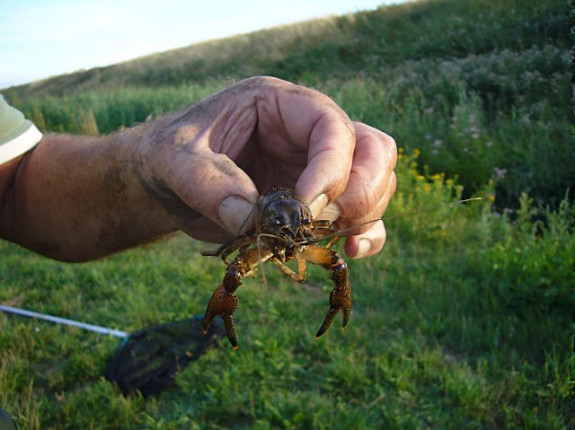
x: 102, y: 112
x: 502, y: 116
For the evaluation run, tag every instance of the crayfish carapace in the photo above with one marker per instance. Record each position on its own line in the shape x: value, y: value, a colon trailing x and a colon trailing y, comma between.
x: 285, y: 230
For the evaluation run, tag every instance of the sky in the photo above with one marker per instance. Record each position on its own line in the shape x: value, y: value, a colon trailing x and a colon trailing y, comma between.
x: 43, y: 38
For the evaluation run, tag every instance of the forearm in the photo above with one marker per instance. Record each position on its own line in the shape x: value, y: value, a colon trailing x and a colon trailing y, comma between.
x: 76, y: 198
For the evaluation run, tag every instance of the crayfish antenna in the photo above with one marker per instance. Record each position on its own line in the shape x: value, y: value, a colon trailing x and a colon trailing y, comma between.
x: 259, y: 243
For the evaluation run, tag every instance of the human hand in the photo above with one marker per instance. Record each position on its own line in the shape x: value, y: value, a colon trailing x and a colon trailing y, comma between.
x: 208, y: 165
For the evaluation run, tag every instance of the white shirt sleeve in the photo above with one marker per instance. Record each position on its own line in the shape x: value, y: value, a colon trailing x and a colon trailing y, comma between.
x: 17, y: 134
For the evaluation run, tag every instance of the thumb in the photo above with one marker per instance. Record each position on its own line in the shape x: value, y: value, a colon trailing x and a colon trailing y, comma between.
x: 204, y: 191
x: 219, y: 190
x: 208, y: 196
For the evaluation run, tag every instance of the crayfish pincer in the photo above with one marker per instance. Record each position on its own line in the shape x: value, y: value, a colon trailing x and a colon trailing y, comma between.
x: 285, y: 230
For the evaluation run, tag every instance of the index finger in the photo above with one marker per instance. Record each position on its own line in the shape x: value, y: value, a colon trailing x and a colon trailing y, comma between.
x: 331, y: 145
x: 318, y: 125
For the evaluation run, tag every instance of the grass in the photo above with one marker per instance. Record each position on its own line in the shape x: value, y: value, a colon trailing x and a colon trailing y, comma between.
x: 463, y: 321
x: 443, y: 334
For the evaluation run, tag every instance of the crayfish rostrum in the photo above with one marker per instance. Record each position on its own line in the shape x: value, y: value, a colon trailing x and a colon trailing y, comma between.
x: 285, y: 230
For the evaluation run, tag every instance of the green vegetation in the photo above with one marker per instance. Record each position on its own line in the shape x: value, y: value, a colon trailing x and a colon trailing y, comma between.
x: 463, y: 321
x: 481, y: 87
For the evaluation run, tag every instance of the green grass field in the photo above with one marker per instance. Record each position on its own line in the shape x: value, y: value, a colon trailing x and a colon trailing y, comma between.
x: 465, y: 320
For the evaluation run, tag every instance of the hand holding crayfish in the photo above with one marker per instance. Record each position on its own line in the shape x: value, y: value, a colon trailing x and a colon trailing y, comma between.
x: 212, y: 161
x: 285, y: 230
x: 77, y: 198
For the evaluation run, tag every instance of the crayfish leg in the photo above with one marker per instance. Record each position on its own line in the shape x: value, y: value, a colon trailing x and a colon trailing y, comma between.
x: 296, y: 277
x: 229, y: 248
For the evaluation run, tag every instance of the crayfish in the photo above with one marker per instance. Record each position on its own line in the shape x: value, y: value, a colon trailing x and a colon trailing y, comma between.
x: 285, y: 230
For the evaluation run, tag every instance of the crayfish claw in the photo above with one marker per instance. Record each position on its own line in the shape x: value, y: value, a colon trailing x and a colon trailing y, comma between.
x: 331, y: 314
x: 222, y: 304
x: 327, y: 321
x: 340, y: 297
x: 346, y: 314
x: 230, y: 330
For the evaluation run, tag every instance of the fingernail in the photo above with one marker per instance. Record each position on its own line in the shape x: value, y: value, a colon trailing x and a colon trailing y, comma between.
x: 330, y: 213
x: 321, y: 209
x: 363, y: 248
x: 235, y: 212
x: 318, y: 204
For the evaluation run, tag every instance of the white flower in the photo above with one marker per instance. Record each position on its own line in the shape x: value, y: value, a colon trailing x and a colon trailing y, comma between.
x: 499, y: 173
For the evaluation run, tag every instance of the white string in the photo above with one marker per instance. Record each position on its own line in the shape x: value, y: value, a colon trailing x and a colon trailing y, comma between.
x: 65, y: 321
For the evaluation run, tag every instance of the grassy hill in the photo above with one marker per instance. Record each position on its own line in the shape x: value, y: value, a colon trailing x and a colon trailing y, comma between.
x: 431, y: 73
x: 463, y: 321
x: 368, y: 43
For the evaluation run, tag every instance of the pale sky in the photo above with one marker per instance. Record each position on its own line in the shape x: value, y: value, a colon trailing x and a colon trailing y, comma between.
x: 43, y: 38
